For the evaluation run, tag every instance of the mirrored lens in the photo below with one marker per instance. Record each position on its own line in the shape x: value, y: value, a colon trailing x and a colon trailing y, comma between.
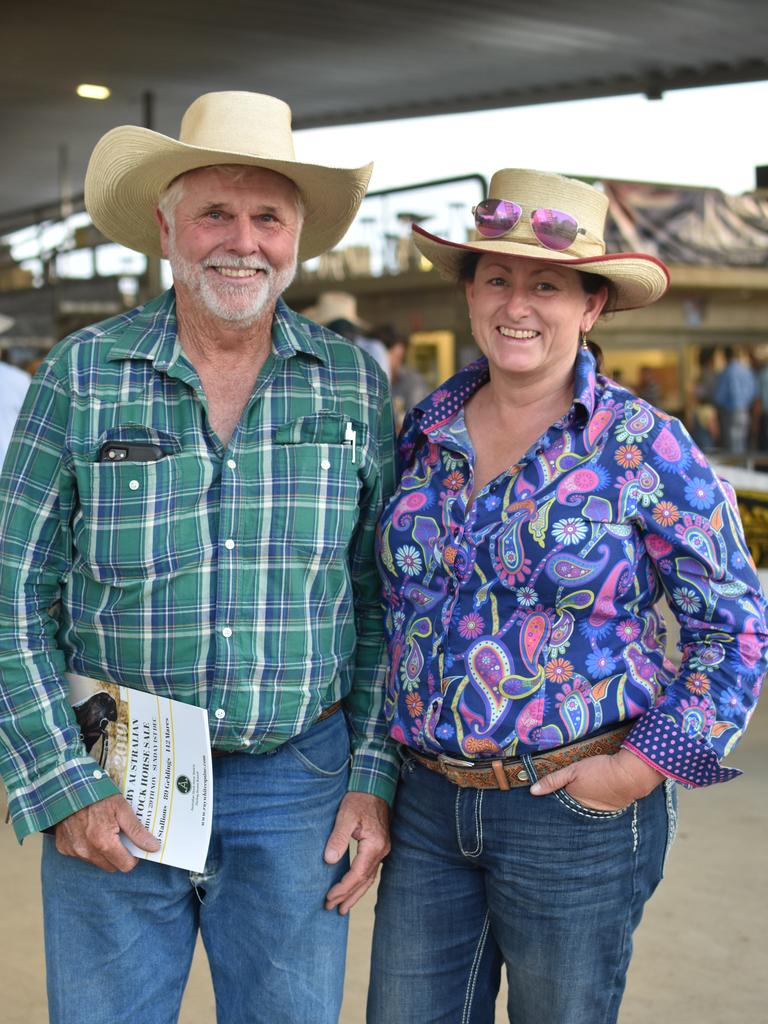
x: 495, y: 217
x: 553, y: 228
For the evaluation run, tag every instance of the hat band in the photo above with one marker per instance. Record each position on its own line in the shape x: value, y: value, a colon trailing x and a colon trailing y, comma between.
x: 550, y: 228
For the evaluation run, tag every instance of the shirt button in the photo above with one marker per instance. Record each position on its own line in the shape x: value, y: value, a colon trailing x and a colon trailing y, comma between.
x: 219, y: 713
x: 325, y: 464
x: 134, y: 485
x: 226, y: 631
x: 229, y: 543
x: 97, y: 774
x: 315, y: 383
x: 231, y: 463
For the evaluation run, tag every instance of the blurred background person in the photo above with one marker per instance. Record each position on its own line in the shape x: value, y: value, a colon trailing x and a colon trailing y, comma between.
x: 733, y: 394
x: 406, y: 384
x: 762, y: 404
x: 338, y: 312
x: 14, y: 383
x: 705, y: 425
x: 647, y: 386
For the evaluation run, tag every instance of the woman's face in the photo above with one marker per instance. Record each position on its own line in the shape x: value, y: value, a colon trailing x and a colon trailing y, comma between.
x: 526, y: 315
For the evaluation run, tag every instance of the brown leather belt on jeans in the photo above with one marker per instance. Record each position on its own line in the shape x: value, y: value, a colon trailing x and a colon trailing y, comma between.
x: 504, y: 773
x: 325, y: 713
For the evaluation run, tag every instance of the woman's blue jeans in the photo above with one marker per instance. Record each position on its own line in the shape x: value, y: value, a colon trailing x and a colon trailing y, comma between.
x: 119, y: 946
x: 481, y: 878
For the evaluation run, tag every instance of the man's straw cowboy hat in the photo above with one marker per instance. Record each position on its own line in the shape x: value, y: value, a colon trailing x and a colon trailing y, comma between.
x: 131, y: 167
x: 638, y: 278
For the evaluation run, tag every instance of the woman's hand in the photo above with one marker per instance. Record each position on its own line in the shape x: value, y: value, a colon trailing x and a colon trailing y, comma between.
x: 607, y: 782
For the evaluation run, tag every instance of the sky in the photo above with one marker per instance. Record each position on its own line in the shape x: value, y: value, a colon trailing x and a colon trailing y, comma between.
x: 714, y: 136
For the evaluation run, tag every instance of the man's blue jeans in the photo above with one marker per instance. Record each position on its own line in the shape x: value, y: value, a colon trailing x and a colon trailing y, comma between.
x: 478, y: 878
x: 119, y: 946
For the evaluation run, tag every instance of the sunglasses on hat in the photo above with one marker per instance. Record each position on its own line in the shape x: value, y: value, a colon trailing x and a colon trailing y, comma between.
x: 552, y: 228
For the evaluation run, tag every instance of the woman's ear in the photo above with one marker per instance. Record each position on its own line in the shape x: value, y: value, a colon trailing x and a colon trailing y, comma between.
x: 593, y: 308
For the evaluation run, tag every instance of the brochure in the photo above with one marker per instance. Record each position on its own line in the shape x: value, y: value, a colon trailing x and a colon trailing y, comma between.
x: 157, y: 751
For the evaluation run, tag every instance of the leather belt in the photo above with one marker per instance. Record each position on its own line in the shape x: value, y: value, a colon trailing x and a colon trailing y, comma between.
x: 508, y: 772
x: 325, y: 713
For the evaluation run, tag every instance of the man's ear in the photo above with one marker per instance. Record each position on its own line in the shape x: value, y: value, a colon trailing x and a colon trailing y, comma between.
x: 163, y: 225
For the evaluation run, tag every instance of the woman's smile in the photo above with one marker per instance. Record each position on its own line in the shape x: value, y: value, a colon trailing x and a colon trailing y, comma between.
x: 517, y: 333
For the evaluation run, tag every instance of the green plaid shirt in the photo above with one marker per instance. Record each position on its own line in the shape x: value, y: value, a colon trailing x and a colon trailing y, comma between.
x: 241, y: 579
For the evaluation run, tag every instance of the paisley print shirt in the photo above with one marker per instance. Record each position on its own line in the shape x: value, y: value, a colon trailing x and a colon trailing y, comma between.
x: 529, y: 621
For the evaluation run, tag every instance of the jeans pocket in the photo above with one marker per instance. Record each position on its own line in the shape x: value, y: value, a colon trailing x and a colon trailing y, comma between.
x: 323, y: 749
x: 670, y: 797
x: 567, y: 801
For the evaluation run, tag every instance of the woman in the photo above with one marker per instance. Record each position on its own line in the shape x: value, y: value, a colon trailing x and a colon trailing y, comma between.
x: 542, y: 512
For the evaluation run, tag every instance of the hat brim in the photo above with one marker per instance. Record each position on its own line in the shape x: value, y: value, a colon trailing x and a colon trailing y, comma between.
x: 639, y: 279
x: 131, y: 167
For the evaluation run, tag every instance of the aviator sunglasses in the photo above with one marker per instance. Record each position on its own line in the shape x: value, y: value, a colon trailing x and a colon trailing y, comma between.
x: 552, y: 228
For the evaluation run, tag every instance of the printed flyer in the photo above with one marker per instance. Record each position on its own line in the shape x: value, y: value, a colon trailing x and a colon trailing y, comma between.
x: 158, y: 752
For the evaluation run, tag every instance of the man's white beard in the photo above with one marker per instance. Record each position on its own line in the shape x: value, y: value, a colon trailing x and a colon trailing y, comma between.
x: 225, y: 300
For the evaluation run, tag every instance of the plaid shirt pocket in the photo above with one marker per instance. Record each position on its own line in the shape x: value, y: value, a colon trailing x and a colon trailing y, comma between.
x: 138, y: 520
x: 318, y: 510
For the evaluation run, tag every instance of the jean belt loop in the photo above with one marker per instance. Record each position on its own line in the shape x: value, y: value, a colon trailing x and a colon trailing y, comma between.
x: 529, y: 767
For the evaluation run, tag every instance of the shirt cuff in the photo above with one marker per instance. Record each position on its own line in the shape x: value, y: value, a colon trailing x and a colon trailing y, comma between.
x: 58, y: 793
x: 658, y: 739
x: 375, y: 770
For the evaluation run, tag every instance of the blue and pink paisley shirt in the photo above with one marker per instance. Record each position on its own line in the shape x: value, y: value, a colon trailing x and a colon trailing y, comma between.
x: 529, y: 620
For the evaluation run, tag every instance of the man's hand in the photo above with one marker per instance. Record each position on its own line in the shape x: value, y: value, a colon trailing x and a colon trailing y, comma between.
x: 607, y: 782
x: 365, y: 818
x: 92, y: 834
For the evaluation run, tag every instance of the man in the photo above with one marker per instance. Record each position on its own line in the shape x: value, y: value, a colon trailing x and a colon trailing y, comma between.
x: 733, y: 395
x: 338, y: 312
x: 406, y: 384
x: 234, y: 571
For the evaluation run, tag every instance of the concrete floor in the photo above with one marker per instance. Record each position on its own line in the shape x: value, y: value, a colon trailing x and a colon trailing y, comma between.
x: 700, y: 951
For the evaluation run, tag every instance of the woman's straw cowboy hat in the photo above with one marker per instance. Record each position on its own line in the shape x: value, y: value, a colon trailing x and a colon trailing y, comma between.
x: 639, y: 279
x: 131, y: 167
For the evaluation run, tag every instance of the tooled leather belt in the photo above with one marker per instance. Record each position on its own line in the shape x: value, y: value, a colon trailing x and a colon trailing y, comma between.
x: 508, y: 772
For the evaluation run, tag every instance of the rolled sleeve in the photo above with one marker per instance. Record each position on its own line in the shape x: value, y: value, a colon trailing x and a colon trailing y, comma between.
x: 42, y: 758
x: 696, y: 542
x: 375, y: 761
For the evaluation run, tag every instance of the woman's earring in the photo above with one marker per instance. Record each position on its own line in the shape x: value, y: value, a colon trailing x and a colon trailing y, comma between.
x: 583, y: 339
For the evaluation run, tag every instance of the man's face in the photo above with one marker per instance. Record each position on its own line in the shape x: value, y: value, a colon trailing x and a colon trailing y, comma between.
x: 232, y: 241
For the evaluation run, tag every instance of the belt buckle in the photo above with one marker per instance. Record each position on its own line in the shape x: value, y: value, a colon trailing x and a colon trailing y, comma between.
x: 453, y: 762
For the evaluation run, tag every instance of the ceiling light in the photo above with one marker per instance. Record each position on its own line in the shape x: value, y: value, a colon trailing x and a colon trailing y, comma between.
x: 93, y: 92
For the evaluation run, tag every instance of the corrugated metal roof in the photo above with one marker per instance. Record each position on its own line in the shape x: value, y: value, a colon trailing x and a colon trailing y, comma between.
x: 343, y: 63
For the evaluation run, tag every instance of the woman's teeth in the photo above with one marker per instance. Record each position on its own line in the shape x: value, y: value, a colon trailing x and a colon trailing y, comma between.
x: 507, y: 332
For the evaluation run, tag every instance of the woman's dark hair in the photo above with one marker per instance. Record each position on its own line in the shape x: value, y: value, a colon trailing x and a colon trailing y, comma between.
x: 592, y: 283
x: 467, y: 266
